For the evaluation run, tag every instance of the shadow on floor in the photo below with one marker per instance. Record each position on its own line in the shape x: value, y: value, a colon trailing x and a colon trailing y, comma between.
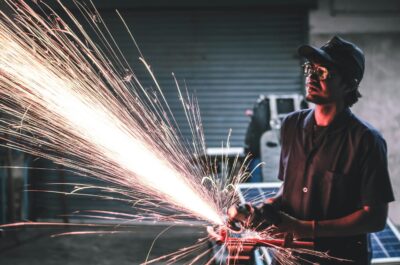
x: 36, y: 246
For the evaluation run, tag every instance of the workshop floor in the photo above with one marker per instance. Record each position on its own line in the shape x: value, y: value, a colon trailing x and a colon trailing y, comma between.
x: 37, y: 247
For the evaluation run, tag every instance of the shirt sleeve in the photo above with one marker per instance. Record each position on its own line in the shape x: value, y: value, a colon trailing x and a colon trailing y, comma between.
x: 375, y: 180
x: 282, y: 140
x: 281, y: 169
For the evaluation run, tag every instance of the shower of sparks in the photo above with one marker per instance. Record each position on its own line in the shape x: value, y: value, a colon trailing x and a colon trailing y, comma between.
x: 58, y: 89
x: 67, y: 99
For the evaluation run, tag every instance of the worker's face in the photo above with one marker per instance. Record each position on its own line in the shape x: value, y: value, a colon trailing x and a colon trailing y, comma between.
x: 323, y: 85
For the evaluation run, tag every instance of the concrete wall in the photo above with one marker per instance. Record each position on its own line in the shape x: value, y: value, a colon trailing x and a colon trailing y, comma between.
x: 377, y: 32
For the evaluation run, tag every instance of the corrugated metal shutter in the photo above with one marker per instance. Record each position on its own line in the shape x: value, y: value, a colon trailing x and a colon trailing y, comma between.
x: 228, y: 58
x: 49, y: 184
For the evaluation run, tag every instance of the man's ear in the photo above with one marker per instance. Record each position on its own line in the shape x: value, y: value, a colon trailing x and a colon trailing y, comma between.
x: 351, y: 86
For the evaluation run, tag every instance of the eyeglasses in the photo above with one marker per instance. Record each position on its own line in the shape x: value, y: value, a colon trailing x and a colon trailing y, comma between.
x: 320, y: 71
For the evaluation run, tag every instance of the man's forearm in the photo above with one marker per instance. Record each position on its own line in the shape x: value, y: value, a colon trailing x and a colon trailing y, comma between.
x: 366, y: 220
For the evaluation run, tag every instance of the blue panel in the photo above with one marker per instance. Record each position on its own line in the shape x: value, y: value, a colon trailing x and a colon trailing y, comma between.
x: 257, y: 195
x: 251, y: 195
x: 269, y: 192
x: 385, y: 244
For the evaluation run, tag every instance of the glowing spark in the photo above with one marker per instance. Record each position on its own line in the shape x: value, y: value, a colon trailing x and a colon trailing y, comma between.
x: 72, y: 109
x: 70, y: 102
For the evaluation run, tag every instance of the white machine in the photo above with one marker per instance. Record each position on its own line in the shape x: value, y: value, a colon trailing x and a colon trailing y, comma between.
x: 280, y: 106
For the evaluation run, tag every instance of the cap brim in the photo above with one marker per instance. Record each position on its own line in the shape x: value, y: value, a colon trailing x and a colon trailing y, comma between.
x: 315, y: 55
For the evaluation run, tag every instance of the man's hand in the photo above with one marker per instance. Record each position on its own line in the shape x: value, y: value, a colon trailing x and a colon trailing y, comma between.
x: 300, y: 229
x: 256, y: 218
x: 240, y: 213
x: 239, y: 216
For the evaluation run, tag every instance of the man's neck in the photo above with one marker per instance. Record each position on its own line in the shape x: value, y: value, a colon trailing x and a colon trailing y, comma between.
x: 324, y: 114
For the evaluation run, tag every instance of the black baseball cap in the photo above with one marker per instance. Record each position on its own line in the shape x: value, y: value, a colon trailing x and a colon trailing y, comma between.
x: 344, y: 55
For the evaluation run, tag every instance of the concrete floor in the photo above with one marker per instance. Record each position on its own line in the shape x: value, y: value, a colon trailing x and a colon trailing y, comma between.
x: 37, y: 247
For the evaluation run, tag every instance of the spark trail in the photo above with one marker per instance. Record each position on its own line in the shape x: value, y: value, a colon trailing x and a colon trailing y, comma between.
x: 58, y: 89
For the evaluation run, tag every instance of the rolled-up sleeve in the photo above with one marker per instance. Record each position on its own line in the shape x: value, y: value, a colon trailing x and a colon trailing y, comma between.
x: 376, y: 187
x: 282, y: 139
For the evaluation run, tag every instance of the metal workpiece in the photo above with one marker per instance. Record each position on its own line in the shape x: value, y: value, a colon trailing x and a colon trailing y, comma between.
x: 241, y: 249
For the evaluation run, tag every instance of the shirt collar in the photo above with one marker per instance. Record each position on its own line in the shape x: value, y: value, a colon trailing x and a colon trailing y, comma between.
x: 339, y: 122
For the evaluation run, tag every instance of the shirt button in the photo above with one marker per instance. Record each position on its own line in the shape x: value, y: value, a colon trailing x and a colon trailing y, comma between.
x: 305, y: 189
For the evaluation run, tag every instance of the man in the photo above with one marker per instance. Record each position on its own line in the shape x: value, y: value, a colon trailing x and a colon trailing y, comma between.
x: 259, y: 124
x: 336, y: 185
